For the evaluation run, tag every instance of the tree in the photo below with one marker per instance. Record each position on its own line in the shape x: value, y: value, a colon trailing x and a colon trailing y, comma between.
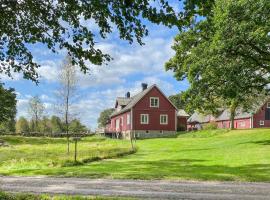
x: 45, y: 125
x: 66, y: 94
x: 67, y: 25
x: 7, y: 126
x: 220, y: 77
x: 7, y: 104
x: 104, y: 116
x: 36, y: 109
x: 56, y: 124
x: 180, y: 102
x: 22, y: 126
x: 77, y: 127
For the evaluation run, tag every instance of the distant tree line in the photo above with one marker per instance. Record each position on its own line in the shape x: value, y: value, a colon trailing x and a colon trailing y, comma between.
x: 48, y: 126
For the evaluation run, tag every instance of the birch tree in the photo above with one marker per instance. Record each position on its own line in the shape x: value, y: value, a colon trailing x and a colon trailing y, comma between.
x: 66, y: 94
x: 36, y: 110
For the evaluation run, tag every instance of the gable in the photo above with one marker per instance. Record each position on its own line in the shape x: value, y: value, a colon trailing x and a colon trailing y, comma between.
x: 164, y: 102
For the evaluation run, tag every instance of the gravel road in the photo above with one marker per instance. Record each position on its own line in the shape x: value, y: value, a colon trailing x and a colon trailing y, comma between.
x: 137, y: 188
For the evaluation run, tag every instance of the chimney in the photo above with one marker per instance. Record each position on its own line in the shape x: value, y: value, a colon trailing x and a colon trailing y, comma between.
x: 128, y: 95
x: 144, y: 86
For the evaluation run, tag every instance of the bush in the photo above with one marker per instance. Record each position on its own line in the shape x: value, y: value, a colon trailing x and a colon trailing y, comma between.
x: 210, y: 126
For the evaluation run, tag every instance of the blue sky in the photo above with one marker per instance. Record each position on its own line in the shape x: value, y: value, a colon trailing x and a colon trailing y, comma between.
x: 132, y: 65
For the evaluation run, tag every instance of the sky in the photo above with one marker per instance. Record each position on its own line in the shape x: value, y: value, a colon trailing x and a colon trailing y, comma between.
x: 131, y: 65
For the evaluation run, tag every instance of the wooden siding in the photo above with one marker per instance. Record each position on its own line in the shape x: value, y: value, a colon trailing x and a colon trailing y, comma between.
x: 165, y: 107
x: 260, y: 115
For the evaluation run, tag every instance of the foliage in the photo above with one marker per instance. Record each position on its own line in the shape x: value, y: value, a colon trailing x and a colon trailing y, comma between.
x: 104, y: 117
x: 45, y: 125
x: 56, y: 124
x: 36, y: 110
x: 22, y: 126
x: 210, y: 126
x: 213, y: 155
x: 7, y: 104
x: 77, y: 127
x: 209, y: 55
x: 68, y: 25
x: 67, y: 94
x: 180, y: 102
x: 8, y: 126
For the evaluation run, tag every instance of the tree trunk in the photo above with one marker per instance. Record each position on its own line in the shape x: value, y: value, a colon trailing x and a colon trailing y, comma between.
x: 232, y: 113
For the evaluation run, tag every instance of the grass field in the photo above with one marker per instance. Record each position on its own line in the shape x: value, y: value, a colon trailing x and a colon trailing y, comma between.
x: 239, y: 155
x: 31, y: 153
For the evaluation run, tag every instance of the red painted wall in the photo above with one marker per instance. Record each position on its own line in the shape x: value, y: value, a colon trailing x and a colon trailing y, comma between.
x: 260, y: 115
x: 165, y: 107
x: 123, y: 126
x: 182, y: 121
x: 238, y: 123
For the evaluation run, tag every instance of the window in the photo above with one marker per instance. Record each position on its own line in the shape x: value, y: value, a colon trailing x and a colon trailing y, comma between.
x: 154, y: 102
x: 242, y: 124
x: 117, y: 123
x: 163, y: 119
x: 122, y: 121
x: 261, y: 123
x: 128, y: 118
x: 268, y: 105
x: 144, y: 118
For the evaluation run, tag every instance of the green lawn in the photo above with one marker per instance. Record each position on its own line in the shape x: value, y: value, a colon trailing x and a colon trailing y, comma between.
x: 240, y: 155
x: 26, y: 154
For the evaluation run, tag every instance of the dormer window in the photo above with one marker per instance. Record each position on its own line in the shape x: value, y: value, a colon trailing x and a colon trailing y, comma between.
x: 154, y: 102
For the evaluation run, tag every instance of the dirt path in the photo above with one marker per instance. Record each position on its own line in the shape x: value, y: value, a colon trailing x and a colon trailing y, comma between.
x: 139, y: 189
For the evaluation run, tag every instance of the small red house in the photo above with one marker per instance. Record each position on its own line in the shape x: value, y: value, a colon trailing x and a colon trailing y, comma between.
x: 255, y: 118
x: 144, y: 115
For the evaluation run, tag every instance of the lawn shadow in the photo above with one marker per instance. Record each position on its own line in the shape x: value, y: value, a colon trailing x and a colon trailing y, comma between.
x: 261, y: 142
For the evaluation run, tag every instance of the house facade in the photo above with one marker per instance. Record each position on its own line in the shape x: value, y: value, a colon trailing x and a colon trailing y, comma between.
x: 257, y: 117
x: 145, y: 115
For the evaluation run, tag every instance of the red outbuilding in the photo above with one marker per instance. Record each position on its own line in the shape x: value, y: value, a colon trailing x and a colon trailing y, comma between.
x: 257, y: 117
x: 145, y: 115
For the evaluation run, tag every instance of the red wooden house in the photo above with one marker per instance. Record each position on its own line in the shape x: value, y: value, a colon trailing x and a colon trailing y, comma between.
x: 144, y: 115
x: 257, y: 117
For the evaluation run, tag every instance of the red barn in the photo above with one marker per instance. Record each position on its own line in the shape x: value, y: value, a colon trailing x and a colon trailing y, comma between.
x: 144, y: 115
x: 254, y: 118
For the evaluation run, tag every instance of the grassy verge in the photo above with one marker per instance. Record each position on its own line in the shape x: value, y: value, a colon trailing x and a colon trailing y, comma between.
x: 223, y: 155
x: 30, y: 153
x: 24, y: 196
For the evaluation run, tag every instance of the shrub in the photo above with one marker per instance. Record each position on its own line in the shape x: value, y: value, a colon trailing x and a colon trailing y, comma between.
x: 211, y: 126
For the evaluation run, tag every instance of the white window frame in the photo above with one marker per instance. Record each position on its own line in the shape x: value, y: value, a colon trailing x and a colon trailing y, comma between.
x: 128, y: 118
x: 117, y: 123
x: 261, y: 122
x: 160, y: 119
x: 268, y: 105
x: 154, y: 98
x: 122, y: 121
x: 146, y: 117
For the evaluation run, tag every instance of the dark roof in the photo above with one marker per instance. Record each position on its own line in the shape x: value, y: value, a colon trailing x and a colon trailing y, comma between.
x: 132, y: 101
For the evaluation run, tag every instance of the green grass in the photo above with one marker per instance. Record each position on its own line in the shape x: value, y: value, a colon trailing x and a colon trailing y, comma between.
x: 31, y: 153
x: 239, y: 155
x: 25, y: 196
